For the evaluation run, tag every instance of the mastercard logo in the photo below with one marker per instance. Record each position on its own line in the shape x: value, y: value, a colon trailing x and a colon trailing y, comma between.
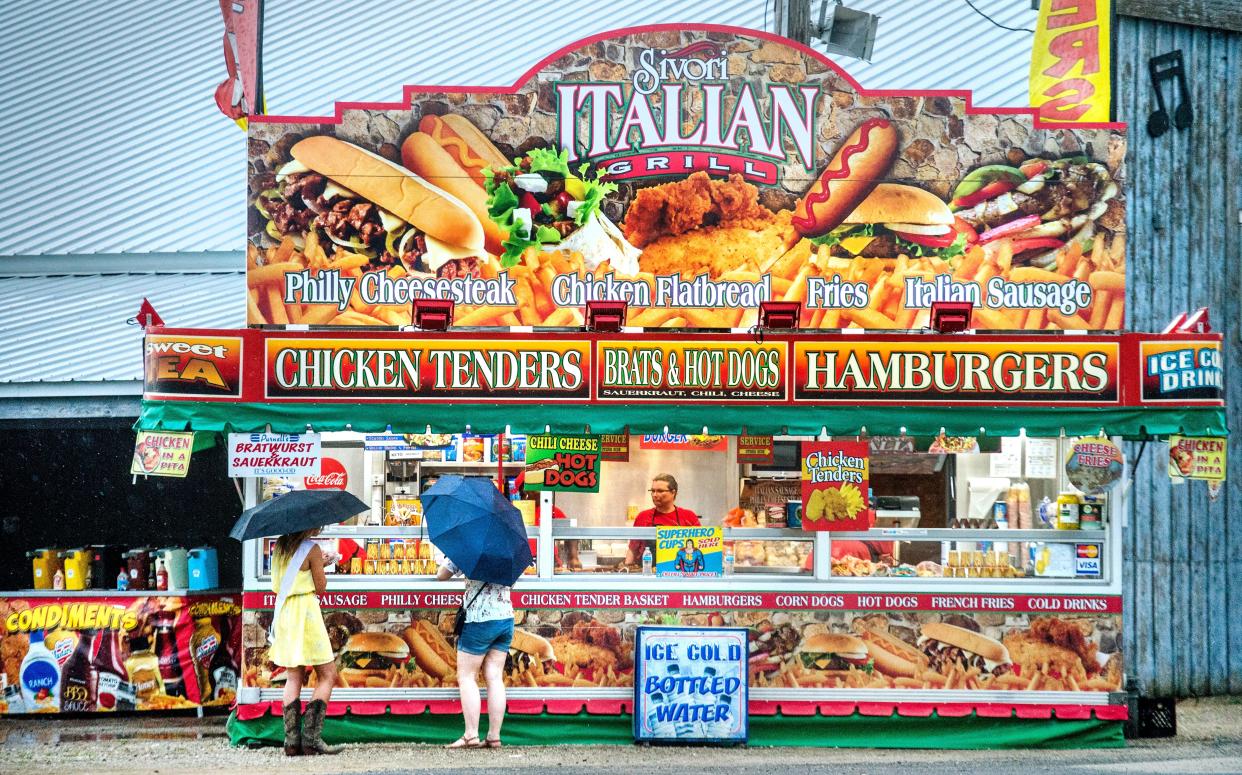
x: 1089, y: 551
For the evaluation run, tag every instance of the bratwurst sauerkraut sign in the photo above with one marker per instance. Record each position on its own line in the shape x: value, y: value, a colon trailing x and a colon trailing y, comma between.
x: 694, y: 173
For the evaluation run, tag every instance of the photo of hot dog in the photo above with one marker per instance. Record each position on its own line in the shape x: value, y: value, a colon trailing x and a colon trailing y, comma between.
x: 544, y: 204
x: 372, y: 208
x: 854, y: 171
x: 451, y: 153
x: 891, y: 655
x: 431, y: 650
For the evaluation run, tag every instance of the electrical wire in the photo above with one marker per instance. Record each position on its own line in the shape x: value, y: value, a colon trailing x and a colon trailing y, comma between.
x: 998, y: 24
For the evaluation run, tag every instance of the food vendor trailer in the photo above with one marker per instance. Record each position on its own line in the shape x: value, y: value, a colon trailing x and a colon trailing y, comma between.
x: 958, y: 617
x: 1057, y: 613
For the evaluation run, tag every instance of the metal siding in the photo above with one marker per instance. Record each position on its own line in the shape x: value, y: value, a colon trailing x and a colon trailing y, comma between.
x: 1183, y: 552
x: 46, y: 340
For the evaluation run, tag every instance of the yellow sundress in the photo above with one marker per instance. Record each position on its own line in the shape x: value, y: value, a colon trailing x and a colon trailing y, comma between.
x: 301, y: 639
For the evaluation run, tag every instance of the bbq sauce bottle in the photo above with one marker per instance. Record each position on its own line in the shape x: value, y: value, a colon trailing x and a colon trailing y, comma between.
x: 78, y: 679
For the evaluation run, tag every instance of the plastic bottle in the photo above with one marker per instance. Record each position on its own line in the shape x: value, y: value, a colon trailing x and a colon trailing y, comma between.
x: 122, y: 580
x: 647, y: 561
x: 58, y: 580
x: 161, y: 575
x: 40, y: 676
x: 728, y: 560
x: 1046, y: 510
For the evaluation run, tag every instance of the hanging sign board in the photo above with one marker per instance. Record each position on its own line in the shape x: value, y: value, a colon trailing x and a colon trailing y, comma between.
x: 834, y: 485
x: 274, y: 454
x: 690, y: 684
x: 558, y: 463
x: 1197, y: 458
x: 689, y: 552
x: 615, y: 447
x: 164, y: 453
x: 755, y: 449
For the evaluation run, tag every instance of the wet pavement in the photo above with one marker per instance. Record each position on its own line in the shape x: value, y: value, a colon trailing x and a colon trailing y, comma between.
x: 1209, y: 741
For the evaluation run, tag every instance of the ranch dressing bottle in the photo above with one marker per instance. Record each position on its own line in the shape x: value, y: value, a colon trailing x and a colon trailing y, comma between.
x: 40, y: 677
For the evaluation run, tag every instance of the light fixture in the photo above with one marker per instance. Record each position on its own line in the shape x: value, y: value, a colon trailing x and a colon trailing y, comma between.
x: 950, y: 317
x: 433, y: 314
x: 779, y: 314
x: 846, y: 31
x: 605, y: 315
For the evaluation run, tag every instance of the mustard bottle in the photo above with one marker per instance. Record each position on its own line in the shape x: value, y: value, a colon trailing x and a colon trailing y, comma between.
x: 1069, y: 510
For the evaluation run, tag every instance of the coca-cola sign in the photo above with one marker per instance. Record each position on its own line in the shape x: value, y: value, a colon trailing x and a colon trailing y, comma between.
x: 332, y: 476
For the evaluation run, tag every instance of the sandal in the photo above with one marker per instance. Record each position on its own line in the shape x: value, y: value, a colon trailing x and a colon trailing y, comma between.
x: 492, y: 743
x: 465, y: 742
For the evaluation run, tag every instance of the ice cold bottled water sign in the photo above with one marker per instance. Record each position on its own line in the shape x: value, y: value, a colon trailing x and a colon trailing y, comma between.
x: 690, y: 685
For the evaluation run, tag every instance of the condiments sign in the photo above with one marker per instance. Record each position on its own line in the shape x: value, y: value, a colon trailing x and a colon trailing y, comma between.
x: 558, y: 463
x: 834, y: 485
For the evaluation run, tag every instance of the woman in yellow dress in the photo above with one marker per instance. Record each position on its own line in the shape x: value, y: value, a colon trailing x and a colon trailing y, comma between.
x: 300, y: 641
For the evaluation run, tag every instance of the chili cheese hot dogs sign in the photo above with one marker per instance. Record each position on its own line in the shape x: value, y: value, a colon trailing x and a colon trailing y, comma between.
x: 694, y: 172
x: 734, y: 369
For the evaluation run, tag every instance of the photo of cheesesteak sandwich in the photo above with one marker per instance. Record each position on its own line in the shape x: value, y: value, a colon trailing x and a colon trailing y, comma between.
x: 953, y: 650
x: 373, y: 208
x: 525, y: 650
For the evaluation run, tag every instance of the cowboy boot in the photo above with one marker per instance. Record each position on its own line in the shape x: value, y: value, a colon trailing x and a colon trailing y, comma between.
x: 293, y: 732
x: 312, y: 731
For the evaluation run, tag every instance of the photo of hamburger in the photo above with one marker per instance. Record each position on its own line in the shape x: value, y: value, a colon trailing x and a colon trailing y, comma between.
x: 899, y: 219
x: 949, y: 647
x: 831, y: 651
x: 369, y: 655
x: 371, y: 207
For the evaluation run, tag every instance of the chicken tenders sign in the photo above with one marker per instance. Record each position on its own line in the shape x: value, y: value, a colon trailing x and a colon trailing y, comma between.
x: 695, y: 172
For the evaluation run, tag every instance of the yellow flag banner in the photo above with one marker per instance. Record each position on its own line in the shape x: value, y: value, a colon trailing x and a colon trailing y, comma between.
x: 1070, y: 61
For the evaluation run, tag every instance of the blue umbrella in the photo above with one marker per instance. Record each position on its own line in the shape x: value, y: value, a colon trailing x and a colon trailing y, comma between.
x: 481, y: 532
x: 296, y: 511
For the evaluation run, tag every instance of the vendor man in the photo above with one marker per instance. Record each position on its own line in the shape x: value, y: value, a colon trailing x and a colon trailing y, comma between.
x: 666, y: 513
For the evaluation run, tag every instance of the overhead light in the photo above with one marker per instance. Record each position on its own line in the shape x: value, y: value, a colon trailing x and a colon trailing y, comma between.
x: 846, y: 31
x: 433, y: 314
x: 950, y: 317
x: 779, y: 314
x: 606, y: 316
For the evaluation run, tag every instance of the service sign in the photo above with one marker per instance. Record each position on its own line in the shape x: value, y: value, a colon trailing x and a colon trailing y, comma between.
x: 834, y: 485
x: 615, y: 447
x: 693, y: 171
x: 690, y: 684
x: 1181, y: 371
x: 204, y: 367
x: 1198, y: 458
x: 755, y: 449
x: 559, y: 463
x: 163, y: 453
x: 731, y: 371
x: 689, y: 552
x: 958, y: 372
x: 275, y: 454
x: 441, y: 369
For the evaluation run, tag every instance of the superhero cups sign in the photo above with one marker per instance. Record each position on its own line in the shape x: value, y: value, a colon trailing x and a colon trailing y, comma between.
x: 694, y: 172
x: 834, y: 485
x: 562, y: 463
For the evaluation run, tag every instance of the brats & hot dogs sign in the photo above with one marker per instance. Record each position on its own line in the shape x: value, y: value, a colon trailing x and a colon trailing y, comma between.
x: 694, y: 173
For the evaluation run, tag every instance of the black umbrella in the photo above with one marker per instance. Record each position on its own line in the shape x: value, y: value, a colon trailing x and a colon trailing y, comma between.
x: 296, y: 511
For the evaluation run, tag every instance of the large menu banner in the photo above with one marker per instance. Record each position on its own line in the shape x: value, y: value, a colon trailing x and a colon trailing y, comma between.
x: 694, y: 172
x: 83, y: 653
x: 573, y: 641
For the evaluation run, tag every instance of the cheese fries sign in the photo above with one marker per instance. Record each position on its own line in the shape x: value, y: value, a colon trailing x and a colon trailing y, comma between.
x: 694, y: 172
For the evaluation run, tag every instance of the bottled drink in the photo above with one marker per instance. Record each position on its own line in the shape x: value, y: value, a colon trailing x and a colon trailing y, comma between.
x: 122, y: 580
x: 39, y: 676
x: 109, y: 671
x: 647, y: 561
x: 79, y: 682
x: 161, y: 576
x: 169, y: 659
x: 143, y: 669
x: 204, y: 644
x: 728, y: 559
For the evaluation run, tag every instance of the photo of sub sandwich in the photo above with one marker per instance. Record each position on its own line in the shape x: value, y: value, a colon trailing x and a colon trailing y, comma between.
x: 373, y: 208
x: 541, y: 203
x: 950, y: 649
x: 526, y: 649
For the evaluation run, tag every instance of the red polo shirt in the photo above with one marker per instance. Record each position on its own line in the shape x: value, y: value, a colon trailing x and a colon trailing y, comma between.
x: 678, y: 517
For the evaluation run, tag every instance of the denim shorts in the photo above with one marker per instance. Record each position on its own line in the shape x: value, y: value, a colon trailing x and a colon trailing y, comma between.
x: 478, y: 637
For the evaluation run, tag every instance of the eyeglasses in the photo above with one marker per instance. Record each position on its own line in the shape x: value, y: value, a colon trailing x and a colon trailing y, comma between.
x: 656, y: 492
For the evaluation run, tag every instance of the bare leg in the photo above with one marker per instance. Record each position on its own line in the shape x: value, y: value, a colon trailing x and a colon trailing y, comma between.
x: 468, y: 685
x: 293, y: 683
x: 326, y: 681
x: 494, y: 674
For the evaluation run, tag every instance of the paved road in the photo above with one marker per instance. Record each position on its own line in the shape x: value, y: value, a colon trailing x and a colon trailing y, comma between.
x: 1209, y: 741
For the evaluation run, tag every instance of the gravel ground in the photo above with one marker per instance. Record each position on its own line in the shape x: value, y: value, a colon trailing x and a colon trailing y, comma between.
x: 1209, y: 741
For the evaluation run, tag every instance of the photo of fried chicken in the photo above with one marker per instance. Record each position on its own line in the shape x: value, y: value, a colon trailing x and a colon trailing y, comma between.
x: 591, y: 644
x: 704, y: 225
x: 1064, y: 654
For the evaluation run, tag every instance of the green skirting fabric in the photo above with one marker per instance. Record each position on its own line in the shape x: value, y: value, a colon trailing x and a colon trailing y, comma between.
x: 415, y: 417
x: 856, y: 731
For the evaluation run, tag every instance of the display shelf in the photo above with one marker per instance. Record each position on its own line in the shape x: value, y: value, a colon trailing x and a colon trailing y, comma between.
x: 471, y: 466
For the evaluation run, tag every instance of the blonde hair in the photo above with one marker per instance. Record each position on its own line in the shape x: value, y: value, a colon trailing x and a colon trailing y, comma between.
x: 288, y: 543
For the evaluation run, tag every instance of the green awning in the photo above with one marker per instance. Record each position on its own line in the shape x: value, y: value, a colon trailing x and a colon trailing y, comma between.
x: 1129, y: 422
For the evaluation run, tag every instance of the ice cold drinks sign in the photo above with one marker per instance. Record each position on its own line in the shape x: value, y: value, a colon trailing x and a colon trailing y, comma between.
x: 690, y: 684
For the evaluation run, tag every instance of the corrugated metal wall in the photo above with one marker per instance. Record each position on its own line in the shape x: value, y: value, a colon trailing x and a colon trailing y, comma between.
x: 1183, y: 550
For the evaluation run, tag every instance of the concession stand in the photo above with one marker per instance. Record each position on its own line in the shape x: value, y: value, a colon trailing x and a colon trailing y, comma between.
x: 969, y: 579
